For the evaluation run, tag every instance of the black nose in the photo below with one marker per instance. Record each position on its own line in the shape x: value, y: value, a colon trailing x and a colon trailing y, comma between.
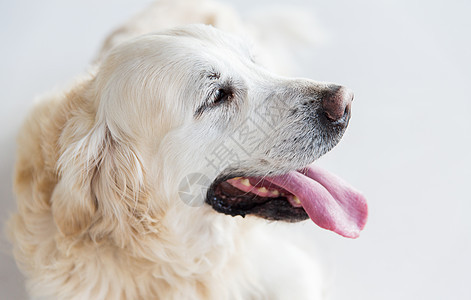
x: 337, y: 102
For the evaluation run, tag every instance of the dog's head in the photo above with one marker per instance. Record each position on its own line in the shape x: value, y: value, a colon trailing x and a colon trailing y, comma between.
x: 190, y: 108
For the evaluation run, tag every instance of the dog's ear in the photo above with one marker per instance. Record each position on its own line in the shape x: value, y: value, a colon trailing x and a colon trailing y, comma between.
x: 101, y: 184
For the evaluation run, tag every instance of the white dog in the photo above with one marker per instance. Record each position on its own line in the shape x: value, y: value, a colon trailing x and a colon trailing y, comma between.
x: 131, y: 184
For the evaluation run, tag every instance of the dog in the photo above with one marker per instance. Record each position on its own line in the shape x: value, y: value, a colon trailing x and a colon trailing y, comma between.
x: 151, y: 177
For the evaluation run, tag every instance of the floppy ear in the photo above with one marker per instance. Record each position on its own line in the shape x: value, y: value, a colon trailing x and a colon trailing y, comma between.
x: 101, y: 184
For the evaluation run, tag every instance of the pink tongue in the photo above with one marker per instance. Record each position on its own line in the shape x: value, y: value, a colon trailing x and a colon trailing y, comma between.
x: 328, y: 200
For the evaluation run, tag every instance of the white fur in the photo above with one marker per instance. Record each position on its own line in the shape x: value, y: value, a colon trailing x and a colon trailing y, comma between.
x: 98, y: 170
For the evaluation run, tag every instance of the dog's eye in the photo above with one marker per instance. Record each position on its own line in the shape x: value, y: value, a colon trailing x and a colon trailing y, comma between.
x: 222, y: 95
x: 218, y: 97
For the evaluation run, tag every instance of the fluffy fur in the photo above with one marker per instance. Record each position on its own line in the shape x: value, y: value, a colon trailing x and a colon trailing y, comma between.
x: 99, y: 165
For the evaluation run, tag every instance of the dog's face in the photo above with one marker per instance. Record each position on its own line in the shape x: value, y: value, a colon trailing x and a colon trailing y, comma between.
x: 196, y: 102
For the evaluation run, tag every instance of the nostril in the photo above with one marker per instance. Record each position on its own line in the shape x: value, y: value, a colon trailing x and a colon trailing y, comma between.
x: 336, y: 102
x: 330, y: 117
x: 347, y: 109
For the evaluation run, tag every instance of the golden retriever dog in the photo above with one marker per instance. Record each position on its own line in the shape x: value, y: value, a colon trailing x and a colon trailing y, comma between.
x: 152, y: 177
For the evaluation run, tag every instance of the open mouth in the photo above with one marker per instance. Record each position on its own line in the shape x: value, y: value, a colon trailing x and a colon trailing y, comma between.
x: 295, y: 196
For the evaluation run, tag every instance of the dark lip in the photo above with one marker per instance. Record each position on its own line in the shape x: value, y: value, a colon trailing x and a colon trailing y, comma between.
x: 275, y: 209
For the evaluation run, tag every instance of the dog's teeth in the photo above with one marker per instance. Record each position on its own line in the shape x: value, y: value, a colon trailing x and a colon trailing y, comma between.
x: 245, y: 182
x: 263, y: 190
x: 275, y: 193
x: 236, y: 178
x: 296, y: 200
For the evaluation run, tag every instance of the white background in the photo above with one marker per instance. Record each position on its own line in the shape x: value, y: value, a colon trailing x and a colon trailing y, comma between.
x: 407, y: 147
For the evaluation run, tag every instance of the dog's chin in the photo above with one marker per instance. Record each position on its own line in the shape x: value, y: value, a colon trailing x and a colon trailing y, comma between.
x: 241, y: 195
